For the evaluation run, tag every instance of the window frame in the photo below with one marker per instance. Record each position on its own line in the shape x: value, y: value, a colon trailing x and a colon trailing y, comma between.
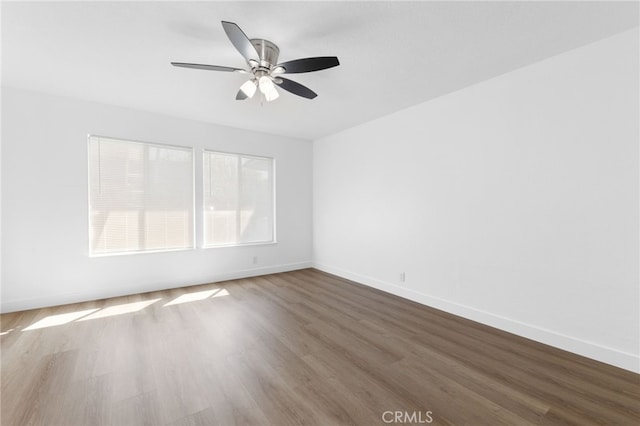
x: 274, y: 233
x: 89, y: 240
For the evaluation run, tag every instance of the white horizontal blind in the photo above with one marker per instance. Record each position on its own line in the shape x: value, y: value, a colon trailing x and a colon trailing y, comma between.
x: 140, y: 196
x: 238, y: 199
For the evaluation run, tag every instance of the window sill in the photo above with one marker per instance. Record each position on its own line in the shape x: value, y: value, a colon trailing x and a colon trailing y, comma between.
x: 266, y: 243
x: 127, y: 253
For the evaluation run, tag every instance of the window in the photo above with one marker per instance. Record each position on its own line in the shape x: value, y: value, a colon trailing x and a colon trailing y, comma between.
x: 140, y: 197
x: 238, y: 199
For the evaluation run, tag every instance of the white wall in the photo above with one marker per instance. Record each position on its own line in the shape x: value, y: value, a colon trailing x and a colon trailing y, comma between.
x: 44, y: 201
x: 513, y: 202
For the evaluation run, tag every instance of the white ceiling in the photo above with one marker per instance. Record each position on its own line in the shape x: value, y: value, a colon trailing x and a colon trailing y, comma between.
x: 393, y: 54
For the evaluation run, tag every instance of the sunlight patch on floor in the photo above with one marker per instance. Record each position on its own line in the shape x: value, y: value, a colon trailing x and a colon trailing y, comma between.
x: 192, y: 297
x: 198, y: 295
x: 125, y: 308
x: 60, y: 319
x: 220, y: 293
x: 121, y: 309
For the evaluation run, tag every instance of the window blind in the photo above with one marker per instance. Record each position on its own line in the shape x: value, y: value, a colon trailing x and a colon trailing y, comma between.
x: 140, y: 196
x: 238, y: 199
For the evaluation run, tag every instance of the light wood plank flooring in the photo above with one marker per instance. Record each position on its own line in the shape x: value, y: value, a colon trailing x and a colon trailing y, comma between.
x: 301, y: 347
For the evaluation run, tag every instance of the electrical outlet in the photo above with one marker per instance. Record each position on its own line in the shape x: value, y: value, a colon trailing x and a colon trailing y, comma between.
x: 255, y: 260
x: 402, y: 277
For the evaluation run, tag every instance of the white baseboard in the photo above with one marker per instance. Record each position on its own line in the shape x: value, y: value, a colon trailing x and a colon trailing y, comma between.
x: 97, y: 294
x: 591, y: 350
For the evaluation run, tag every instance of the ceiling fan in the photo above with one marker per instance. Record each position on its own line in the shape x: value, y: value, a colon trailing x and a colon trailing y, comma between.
x: 262, y: 57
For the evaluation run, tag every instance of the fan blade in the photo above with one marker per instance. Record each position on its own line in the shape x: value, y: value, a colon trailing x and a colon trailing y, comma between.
x: 309, y: 64
x: 206, y: 67
x: 295, y: 88
x: 240, y: 41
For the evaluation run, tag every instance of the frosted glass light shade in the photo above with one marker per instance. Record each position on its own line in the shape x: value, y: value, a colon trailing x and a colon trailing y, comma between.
x: 249, y: 88
x: 268, y: 88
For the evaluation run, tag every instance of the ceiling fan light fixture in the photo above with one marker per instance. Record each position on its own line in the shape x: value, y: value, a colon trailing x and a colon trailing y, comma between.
x: 249, y: 88
x: 267, y: 88
x: 272, y: 96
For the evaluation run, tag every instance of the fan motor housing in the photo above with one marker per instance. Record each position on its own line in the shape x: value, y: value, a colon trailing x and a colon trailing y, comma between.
x: 267, y: 51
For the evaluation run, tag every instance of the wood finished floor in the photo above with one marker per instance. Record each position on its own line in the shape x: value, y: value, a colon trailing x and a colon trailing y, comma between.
x: 301, y: 347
